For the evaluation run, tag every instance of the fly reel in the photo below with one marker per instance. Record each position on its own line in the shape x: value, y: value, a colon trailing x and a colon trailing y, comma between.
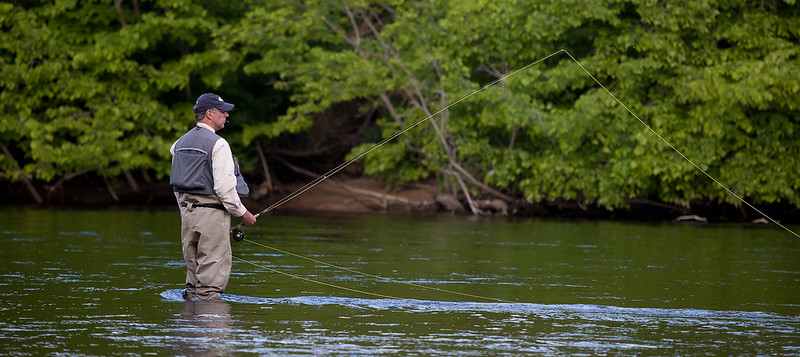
x: 237, y: 235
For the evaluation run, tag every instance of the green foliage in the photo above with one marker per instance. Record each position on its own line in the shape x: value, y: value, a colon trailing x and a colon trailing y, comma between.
x: 718, y: 80
x: 87, y: 86
x: 73, y: 99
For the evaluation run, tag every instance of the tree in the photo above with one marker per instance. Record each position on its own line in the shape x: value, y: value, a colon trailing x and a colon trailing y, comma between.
x: 91, y: 87
x: 99, y: 87
x: 717, y: 79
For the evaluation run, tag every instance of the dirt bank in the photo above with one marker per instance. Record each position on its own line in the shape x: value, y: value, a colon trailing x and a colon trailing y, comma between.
x: 366, y: 195
x: 359, y: 195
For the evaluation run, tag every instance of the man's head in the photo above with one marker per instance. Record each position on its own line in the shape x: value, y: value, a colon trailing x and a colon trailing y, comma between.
x: 210, y: 100
x: 210, y: 108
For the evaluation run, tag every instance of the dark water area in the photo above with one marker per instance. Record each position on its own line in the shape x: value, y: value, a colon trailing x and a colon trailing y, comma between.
x: 107, y: 282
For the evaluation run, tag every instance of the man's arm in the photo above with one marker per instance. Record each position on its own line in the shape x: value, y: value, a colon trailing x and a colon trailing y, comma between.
x: 224, y: 179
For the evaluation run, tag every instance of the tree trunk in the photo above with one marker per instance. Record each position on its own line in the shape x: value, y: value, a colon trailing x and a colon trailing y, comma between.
x: 267, y: 176
x: 24, y: 178
x: 131, y: 181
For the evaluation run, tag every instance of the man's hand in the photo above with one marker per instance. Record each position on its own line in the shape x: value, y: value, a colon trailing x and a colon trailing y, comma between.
x: 248, y: 219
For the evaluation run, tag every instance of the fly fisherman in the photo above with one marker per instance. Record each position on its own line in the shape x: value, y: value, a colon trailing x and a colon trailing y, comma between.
x: 207, y: 183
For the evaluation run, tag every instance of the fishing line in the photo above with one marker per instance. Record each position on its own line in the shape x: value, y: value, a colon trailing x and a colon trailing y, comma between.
x: 239, y: 235
x: 373, y: 276
x: 317, y: 281
x: 720, y: 184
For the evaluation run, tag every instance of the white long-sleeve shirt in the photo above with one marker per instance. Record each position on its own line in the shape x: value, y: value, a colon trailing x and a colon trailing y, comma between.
x: 224, y: 178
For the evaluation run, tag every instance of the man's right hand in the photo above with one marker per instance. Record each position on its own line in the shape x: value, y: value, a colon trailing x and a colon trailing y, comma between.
x: 248, y: 219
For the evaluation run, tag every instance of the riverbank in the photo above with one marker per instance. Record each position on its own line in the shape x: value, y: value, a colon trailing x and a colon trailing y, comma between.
x: 364, y: 195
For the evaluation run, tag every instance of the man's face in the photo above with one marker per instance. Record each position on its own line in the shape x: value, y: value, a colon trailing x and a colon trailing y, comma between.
x: 218, y: 118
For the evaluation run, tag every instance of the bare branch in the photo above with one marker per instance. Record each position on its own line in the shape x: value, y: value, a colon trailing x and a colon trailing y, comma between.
x: 465, y: 190
x: 118, y: 7
x: 415, y: 97
x: 356, y: 41
x: 387, y: 49
x: 382, y: 199
x: 25, y: 179
x: 482, y: 185
x: 267, y: 176
x: 131, y: 180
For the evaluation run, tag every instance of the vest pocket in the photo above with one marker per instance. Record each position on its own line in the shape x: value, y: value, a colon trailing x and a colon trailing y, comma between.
x: 189, y: 170
x: 241, y: 186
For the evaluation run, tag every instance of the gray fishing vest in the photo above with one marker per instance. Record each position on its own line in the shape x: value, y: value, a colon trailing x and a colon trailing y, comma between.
x: 191, y: 165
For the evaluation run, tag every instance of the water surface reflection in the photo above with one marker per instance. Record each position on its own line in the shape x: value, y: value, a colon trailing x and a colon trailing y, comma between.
x: 90, y: 283
x: 204, y: 328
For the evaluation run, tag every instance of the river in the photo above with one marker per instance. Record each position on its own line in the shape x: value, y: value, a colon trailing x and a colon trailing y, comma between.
x: 83, y: 282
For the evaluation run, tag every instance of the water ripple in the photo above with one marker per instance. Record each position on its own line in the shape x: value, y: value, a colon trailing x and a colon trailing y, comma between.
x: 696, y: 318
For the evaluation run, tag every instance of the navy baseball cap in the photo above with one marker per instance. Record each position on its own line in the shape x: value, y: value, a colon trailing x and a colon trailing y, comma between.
x: 211, y: 100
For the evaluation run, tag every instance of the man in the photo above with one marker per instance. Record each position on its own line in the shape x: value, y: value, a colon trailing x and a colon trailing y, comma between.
x: 207, y: 184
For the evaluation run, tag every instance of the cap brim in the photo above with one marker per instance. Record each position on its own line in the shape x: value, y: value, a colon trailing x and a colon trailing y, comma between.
x: 226, y: 106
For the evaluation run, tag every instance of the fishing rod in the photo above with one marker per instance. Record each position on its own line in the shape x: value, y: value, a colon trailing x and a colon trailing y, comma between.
x: 236, y: 231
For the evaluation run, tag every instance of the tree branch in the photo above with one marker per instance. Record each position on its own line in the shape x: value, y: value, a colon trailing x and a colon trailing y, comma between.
x: 387, y: 198
x: 472, y: 206
x: 131, y: 180
x: 267, y: 176
x: 118, y: 7
x: 482, y: 185
x: 25, y: 180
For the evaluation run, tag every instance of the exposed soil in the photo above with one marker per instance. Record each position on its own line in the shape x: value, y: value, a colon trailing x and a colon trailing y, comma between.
x: 358, y: 195
x: 365, y: 195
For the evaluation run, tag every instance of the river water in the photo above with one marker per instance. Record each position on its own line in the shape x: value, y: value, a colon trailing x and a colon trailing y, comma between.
x: 105, y: 282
